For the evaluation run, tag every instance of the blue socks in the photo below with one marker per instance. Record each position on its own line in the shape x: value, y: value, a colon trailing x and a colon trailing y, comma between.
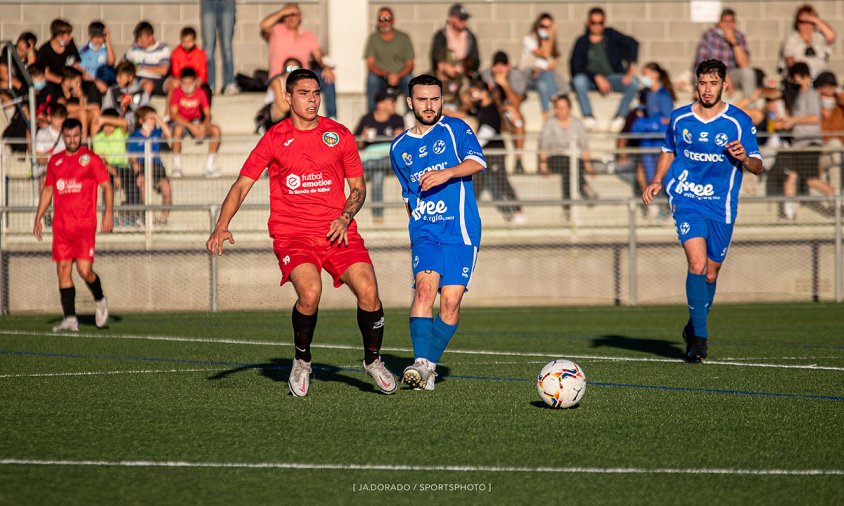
x: 697, y: 296
x: 420, y: 335
x: 441, y: 334
x: 711, y: 288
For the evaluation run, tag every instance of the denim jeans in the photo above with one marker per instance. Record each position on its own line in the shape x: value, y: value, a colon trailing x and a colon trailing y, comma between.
x: 329, y: 95
x: 546, y: 84
x: 218, y: 16
x: 375, y: 170
x: 582, y: 84
x: 375, y: 83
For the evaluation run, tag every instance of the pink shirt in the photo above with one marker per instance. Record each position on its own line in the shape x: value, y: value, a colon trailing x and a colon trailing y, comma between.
x: 286, y: 44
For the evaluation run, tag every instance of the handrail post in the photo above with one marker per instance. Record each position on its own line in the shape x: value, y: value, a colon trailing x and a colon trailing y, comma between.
x: 212, y: 216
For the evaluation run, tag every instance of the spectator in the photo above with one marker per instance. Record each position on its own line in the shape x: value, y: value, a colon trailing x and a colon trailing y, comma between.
x: 276, y: 108
x: 604, y: 59
x: 185, y: 55
x: 125, y: 95
x: 488, y: 114
x: 389, y: 58
x: 509, y: 87
x: 655, y: 113
x: 456, y: 84
x: 110, y: 145
x: 191, y: 113
x: 97, y: 56
x: 810, y: 42
x: 458, y: 39
x: 77, y: 104
x: 25, y: 48
x: 60, y: 52
x: 151, y: 59
x: 150, y: 129
x: 539, y: 60
x: 832, y: 120
x: 724, y: 42
x: 375, y: 131
x: 287, y: 39
x: 556, y: 140
x: 47, y: 94
x: 48, y: 141
x: 218, y: 18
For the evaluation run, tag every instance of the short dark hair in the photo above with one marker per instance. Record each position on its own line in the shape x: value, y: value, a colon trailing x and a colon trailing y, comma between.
x: 70, y: 124
x: 423, y: 80
x: 70, y: 73
x: 143, y: 28
x: 597, y: 10
x: 800, y: 68
x: 36, y: 68
x: 59, y: 27
x: 59, y: 110
x: 188, y: 72
x: 125, y: 67
x: 142, y: 112
x: 188, y: 30
x: 711, y: 66
x: 28, y: 37
x: 299, y: 75
x: 96, y: 29
x: 562, y: 96
x: 111, y: 112
x: 727, y: 12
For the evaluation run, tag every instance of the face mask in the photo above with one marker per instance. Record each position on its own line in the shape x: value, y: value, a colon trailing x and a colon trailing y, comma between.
x: 62, y: 42
x: 828, y: 103
x: 646, y: 81
x: 188, y: 89
x: 542, y: 33
x: 94, y: 47
x: 39, y: 85
x: 148, y: 126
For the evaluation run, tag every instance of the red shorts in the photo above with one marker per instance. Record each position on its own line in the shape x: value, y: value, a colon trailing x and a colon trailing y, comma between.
x: 73, y: 245
x: 335, y: 259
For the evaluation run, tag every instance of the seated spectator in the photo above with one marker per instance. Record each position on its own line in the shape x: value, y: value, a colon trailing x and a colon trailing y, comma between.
x: 47, y: 94
x: 604, y: 59
x: 151, y: 59
x: 458, y: 39
x: 555, y: 143
x: 48, y: 141
x: 389, y: 58
x: 97, y: 56
x: 810, y: 42
x: 25, y: 49
x: 286, y: 39
x: 187, y: 55
x: 126, y: 95
x: 191, y: 114
x: 150, y: 129
x: 60, y: 52
x: 724, y: 42
x: 655, y: 114
x: 375, y: 132
x: 110, y: 145
x: 509, y: 87
x: 494, y: 178
x: 456, y: 84
x: 832, y: 120
x: 18, y: 115
x: 539, y: 60
x: 77, y: 104
x: 276, y: 107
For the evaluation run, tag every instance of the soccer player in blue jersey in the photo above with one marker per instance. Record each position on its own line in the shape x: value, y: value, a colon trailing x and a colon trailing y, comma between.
x: 707, y: 146
x: 434, y: 162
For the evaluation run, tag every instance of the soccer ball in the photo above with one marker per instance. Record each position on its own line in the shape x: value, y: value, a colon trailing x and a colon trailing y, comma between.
x: 561, y: 383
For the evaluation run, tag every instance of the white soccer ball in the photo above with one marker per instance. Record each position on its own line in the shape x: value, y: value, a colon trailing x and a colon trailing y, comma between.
x: 561, y: 383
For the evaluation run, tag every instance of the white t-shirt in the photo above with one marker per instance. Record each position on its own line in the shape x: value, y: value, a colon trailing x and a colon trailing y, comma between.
x: 47, y: 141
x: 796, y: 48
x: 529, y: 61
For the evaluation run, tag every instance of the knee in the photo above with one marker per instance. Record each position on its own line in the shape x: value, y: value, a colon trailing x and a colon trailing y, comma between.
x: 425, y: 293
x: 580, y: 81
x: 698, y: 268
x: 308, y: 302
x: 84, y: 271
x: 367, y: 296
x: 449, y: 308
x: 711, y: 275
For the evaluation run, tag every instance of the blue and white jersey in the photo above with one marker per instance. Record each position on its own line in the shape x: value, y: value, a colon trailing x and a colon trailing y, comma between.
x: 446, y: 214
x: 703, y: 176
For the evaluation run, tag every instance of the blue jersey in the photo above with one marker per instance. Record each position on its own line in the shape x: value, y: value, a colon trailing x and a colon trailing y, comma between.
x: 703, y: 176
x: 446, y: 214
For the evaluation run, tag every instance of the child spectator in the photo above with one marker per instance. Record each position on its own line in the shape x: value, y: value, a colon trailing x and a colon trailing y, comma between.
x: 97, y: 56
x: 47, y: 94
x: 126, y: 95
x: 150, y: 129
x: 59, y: 53
x: 151, y: 59
x: 190, y: 112
x: 187, y: 55
x: 110, y: 144
x: 48, y: 141
x: 77, y: 104
x: 25, y: 48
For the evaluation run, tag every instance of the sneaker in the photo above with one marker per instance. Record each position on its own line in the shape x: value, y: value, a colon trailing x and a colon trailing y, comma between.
x: 300, y: 378
x: 231, y: 89
x: 417, y: 374
x: 697, y: 351
x: 176, y: 173
x: 384, y: 379
x: 101, y: 315
x: 519, y: 219
x: 590, y: 123
x: 616, y: 124
x: 212, y: 172
x: 70, y: 324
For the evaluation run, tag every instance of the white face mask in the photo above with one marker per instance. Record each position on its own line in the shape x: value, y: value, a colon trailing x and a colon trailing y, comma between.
x: 94, y: 47
x: 828, y: 103
x: 148, y: 126
x: 188, y: 89
x: 63, y: 42
x: 542, y: 33
x: 646, y: 81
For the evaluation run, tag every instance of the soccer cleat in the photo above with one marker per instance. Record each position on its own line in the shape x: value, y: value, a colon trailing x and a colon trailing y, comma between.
x: 69, y: 324
x: 688, y: 337
x: 697, y: 352
x: 101, y: 315
x: 429, y: 385
x: 300, y: 378
x: 384, y: 379
x: 416, y: 375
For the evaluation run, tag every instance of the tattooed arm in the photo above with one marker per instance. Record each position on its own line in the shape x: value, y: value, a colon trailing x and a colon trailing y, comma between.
x: 339, y: 227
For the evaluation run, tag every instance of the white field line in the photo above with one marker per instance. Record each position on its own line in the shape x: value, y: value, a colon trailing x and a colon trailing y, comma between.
x: 406, y: 350
x: 100, y: 373
x: 452, y: 469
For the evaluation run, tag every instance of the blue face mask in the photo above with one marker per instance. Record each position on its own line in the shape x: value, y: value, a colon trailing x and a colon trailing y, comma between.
x: 39, y: 85
x: 646, y: 81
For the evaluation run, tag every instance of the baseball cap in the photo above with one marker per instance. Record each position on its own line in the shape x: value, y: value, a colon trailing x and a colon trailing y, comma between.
x: 458, y: 11
x: 500, y: 57
x: 383, y: 95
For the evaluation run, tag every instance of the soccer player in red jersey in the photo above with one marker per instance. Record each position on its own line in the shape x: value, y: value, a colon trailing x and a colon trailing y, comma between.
x: 310, y: 158
x: 73, y: 178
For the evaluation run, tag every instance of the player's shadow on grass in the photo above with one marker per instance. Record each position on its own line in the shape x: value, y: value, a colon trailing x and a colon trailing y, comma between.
x: 88, y: 320
x: 659, y: 347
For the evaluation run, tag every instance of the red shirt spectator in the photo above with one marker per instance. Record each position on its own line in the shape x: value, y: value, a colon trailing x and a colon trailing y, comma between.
x: 194, y: 57
x: 190, y: 105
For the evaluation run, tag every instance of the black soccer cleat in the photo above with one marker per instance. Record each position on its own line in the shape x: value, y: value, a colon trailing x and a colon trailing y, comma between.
x: 688, y: 337
x: 697, y: 351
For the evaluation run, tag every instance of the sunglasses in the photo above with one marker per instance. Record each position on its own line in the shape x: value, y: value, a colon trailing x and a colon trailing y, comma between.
x: 385, y: 18
x: 804, y: 22
x: 547, y: 27
x: 291, y: 68
x: 596, y: 23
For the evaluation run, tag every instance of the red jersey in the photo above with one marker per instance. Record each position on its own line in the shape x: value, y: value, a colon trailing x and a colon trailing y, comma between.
x: 75, y: 179
x: 196, y: 58
x: 308, y: 171
x: 190, y: 106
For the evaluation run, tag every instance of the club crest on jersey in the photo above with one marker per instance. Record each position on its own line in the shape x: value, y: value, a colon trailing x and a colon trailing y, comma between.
x: 293, y: 181
x: 408, y: 159
x: 687, y: 136
x: 84, y: 160
x: 684, y: 228
x: 721, y: 139
x: 330, y: 139
x: 439, y: 147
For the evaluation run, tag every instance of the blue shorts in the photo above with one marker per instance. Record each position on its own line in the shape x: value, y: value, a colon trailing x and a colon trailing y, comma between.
x: 717, y: 234
x: 455, y: 263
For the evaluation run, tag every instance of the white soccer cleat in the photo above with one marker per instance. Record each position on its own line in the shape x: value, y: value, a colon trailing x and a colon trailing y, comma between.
x: 417, y: 375
x: 101, y: 315
x: 69, y: 324
x: 429, y: 385
x: 384, y: 379
x: 300, y: 378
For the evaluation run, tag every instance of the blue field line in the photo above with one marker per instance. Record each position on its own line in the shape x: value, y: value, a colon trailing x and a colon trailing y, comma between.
x: 450, y: 376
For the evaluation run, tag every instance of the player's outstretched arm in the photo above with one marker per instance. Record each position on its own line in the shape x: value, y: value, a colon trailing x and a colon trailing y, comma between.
x: 655, y: 185
x: 44, y: 200
x: 107, y: 224
x: 234, y: 199
x: 437, y: 177
x: 338, y: 231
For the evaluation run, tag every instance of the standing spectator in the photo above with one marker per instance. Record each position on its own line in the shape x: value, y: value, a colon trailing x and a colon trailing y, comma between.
x: 539, y: 60
x: 832, y: 120
x: 457, y: 38
x: 375, y: 131
x: 60, y: 52
x: 151, y: 59
x: 110, y: 145
x: 218, y: 18
x: 510, y: 86
x: 724, y: 42
x: 97, y: 56
x: 810, y: 42
x: 389, y: 58
x: 152, y: 129
x: 604, y: 59
x: 125, y: 95
x: 77, y: 103
x: 185, y: 55
x: 286, y: 39
x: 191, y: 113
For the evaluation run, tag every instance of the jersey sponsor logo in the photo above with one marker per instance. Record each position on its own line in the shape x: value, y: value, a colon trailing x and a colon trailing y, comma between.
x: 84, y: 160
x: 687, y: 136
x: 684, y: 228
x: 68, y: 186
x: 293, y: 181
x: 437, y: 166
x: 430, y: 211
x: 408, y: 159
x: 721, y: 139
x: 703, y: 157
x: 699, y: 190
x: 330, y: 139
x: 288, y: 141
x: 704, y: 137
x: 308, y: 183
x: 423, y: 151
x: 439, y: 147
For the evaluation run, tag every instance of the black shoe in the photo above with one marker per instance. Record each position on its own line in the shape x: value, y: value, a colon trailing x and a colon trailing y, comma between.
x: 519, y: 168
x: 697, y: 352
x: 688, y: 337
